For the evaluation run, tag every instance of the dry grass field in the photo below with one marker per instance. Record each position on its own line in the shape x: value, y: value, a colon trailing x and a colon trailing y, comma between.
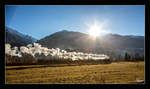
x: 114, y: 73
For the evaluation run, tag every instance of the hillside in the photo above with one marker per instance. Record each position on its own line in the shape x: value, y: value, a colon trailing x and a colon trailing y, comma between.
x: 16, y: 38
x: 83, y: 42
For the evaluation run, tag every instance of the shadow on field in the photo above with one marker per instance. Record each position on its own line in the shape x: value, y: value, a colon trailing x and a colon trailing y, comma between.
x: 59, y: 63
x: 42, y: 66
x: 21, y: 67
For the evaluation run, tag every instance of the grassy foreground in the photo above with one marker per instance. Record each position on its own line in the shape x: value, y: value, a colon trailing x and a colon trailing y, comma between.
x: 116, y: 72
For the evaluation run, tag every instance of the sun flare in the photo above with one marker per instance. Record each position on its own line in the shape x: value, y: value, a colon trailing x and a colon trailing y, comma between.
x: 97, y: 29
x: 94, y: 31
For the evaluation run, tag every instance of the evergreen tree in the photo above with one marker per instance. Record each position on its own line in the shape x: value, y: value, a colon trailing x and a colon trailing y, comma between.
x: 127, y: 57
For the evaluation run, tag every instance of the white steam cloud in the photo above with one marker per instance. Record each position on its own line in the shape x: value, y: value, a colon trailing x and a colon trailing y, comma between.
x: 39, y: 52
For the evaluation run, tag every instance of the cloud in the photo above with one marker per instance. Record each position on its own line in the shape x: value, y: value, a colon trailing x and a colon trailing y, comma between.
x: 38, y: 52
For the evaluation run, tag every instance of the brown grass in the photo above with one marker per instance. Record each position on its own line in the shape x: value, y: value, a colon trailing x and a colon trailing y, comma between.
x: 116, y: 72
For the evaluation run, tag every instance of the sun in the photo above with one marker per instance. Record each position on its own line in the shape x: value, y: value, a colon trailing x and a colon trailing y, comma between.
x: 97, y: 29
x: 94, y: 30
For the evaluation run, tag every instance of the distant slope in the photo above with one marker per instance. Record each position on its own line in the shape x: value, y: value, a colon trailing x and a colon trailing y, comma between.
x: 67, y: 40
x: 118, y: 41
x: 16, y: 38
x: 83, y: 42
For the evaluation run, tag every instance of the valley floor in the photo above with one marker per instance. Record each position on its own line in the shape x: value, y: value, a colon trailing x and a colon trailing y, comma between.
x: 114, y: 73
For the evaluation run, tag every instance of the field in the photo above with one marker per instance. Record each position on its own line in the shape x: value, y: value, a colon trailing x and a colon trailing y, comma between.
x: 116, y: 72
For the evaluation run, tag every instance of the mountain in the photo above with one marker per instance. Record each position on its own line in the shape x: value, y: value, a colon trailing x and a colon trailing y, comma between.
x: 83, y: 42
x: 16, y: 38
x: 122, y: 42
x: 66, y: 40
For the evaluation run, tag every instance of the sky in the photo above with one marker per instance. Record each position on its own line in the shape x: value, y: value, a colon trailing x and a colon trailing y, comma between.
x: 39, y: 21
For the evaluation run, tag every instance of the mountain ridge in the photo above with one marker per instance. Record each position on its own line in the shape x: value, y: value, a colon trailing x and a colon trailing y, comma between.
x: 16, y: 38
x: 82, y: 42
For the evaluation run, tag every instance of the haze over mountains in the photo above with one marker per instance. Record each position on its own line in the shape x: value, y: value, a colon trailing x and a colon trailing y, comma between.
x: 81, y: 42
x: 69, y: 39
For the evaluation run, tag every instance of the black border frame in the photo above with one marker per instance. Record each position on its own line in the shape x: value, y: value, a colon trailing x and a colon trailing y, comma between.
x: 75, y: 2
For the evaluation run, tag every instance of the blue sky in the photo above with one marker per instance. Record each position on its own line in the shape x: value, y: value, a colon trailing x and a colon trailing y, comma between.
x: 39, y: 21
